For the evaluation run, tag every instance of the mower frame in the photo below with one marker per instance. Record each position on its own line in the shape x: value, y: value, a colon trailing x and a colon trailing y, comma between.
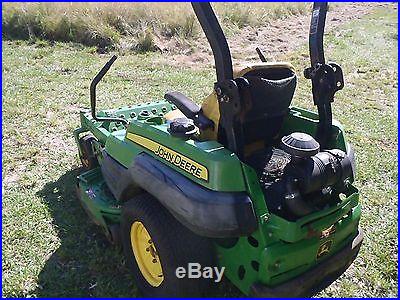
x: 263, y: 253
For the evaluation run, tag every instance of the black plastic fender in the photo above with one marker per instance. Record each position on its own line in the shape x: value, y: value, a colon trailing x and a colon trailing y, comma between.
x: 205, y: 212
x: 118, y: 178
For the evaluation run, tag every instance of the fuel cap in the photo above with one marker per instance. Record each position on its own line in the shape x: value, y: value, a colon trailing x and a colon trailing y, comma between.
x: 300, y: 145
x: 182, y: 127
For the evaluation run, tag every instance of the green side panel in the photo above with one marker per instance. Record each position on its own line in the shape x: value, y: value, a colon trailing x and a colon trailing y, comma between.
x: 97, y: 200
x: 307, y: 226
x: 263, y: 259
x: 284, y: 261
x: 255, y: 192
x: 241, y: 258
x: 212, y: 155
x: 303, y: 120
x: 218, y: 160
x: 259, y: 203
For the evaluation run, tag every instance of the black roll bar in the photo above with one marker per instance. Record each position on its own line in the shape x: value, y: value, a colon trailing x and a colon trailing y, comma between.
x: 326, y: 78
x: 216, y: 38
x: 316, y: 36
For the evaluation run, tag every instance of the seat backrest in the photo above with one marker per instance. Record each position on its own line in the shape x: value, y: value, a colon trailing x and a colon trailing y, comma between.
x: 270, y: 92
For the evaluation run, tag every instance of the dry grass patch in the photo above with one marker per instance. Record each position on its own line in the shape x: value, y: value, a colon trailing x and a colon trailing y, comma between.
x: 104, y: 24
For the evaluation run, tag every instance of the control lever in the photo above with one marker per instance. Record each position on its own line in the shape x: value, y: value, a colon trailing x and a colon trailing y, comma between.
x: 261, y: 55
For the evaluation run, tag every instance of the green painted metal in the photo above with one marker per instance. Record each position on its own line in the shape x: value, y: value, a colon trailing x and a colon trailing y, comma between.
x: 77, y: 133
x: 280, y: 249
x: 274, y: 261
x: 284, y: 249
x: 218, y: 160
x: 303, y: 120
x: 97, y: 200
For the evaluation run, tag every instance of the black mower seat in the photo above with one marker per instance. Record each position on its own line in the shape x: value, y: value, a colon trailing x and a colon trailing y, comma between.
x: 267, y: 99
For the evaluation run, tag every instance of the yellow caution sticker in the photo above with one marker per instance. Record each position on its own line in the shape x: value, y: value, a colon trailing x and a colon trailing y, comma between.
x: 185, y: 163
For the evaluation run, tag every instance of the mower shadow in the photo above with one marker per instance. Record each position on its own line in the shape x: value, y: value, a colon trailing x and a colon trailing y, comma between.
x: 85, y: 264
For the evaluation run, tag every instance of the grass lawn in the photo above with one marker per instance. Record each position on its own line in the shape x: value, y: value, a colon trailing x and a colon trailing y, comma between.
x: 50, y: 248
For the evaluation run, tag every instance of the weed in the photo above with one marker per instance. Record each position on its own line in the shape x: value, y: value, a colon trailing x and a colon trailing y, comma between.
x: 145, y: 42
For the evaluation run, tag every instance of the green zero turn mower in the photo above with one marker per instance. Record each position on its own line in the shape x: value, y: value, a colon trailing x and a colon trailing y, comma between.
x: 245, y: 181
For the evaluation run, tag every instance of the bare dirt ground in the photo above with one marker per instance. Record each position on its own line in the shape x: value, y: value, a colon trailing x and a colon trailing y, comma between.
x: 274, y: 39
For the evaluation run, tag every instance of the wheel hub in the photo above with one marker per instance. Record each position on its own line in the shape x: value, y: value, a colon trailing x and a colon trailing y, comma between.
x: 146, y: 254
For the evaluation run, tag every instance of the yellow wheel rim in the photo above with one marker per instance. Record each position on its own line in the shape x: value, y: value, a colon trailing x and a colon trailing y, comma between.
x: 146, y: 254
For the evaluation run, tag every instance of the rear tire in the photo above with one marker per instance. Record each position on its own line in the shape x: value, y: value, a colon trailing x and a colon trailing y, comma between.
x: 114, y: 235
x: 175, y: 246
x: 88, y: 159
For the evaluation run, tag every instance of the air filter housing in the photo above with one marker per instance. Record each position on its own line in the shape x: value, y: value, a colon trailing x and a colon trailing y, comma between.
x: 300, y: 145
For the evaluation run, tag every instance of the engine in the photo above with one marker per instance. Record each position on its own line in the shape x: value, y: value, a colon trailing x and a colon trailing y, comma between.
x: 299, y: 179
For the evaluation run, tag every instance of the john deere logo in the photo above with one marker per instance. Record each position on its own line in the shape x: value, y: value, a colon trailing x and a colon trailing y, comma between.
x: 324, y: 248
x: 178, y: 160
x: 186, y: 164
